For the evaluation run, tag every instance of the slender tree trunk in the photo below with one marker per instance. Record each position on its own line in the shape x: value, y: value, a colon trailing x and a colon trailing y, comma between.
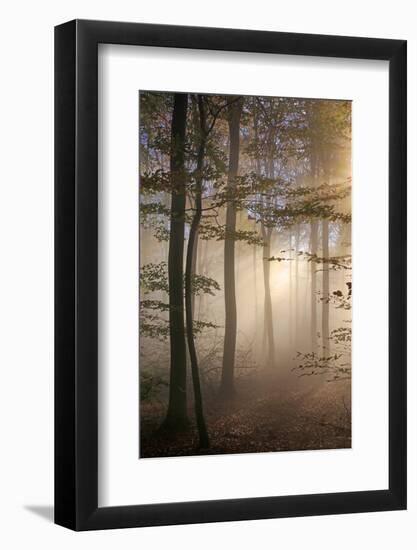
x: 229, y: 351
x: 314, y: 228
x: 291, y: 296
x: 297, y: 284
x: 268, y: 322
x: 307, y: 304
x: 313, y: 297
x: 267, y: 237
x: 194, y: 269
x: 326, y: 273
x: 177, y: 407
x: 255, y: 295
x: 237, y: 252
x: 325, y: 303
x: 258, y: 171
x: 190, y: 265
x: 202, y: 269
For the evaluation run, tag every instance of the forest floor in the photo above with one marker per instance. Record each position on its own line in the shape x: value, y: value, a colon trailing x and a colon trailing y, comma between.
x: 268, y: 413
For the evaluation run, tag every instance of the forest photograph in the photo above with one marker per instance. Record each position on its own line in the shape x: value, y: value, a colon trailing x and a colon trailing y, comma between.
x: 245, y: 282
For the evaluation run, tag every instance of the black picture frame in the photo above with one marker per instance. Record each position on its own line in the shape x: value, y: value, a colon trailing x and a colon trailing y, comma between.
x: 76, y: 272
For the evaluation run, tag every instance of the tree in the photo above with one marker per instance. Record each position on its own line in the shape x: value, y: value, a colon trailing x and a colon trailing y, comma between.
x: 268, y: 319
x: 297, y: 283
x: 325, y: 330
x: 177, y: 417
x: 189, y: 275
x: 229, y: 350
x: 314, y: 228
x: 266, y: 149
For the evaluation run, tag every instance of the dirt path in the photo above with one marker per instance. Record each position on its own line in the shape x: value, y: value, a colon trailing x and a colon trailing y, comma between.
x: 262, y: 418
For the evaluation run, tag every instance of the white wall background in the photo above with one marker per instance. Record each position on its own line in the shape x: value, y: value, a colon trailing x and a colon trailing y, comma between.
x: 26, y: 272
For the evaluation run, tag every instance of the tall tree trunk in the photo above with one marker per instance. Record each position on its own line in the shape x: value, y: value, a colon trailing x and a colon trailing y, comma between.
x: 237, y: 252
x: 325, y: 303
x: 177, y: 407
x: 190, y: 265
x: 268, y: 322
x: 326, y: 273
x: 255, y: 295
x: 297, y: 284
x: 307, y: 304
x: 314, y: 229
x: 202, y: 269
x: 313, y: 288
x: 194, y: 269
x: 229, y: 350
x: 258, y: 171
x: 269, y: 341
x: 291, y: 296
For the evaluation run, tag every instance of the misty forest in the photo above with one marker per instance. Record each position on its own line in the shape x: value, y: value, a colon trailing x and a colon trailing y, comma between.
x: 245, y: 274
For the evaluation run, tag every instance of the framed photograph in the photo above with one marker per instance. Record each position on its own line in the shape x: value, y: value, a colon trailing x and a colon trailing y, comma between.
x: 230, y: 253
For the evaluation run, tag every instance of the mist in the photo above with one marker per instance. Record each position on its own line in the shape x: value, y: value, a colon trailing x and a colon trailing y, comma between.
x: 245, y: 274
